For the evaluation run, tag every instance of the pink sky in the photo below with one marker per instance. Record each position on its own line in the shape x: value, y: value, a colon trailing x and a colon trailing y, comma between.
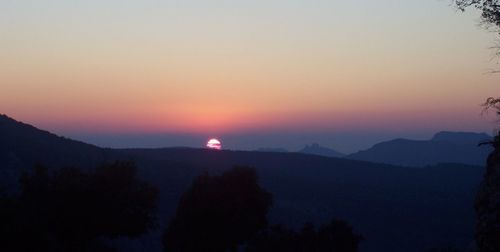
x: 250, y: 66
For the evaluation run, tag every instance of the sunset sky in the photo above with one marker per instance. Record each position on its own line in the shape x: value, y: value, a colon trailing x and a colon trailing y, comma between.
x: 275, y: 73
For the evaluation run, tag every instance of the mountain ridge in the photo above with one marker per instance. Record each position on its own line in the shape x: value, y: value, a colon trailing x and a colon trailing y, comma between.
x: 377, y: 199
x: 443, y: 147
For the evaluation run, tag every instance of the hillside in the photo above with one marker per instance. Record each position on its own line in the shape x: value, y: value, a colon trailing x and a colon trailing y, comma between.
x: 395, y: 208
x: 444, y: 147
x: 22, y: 146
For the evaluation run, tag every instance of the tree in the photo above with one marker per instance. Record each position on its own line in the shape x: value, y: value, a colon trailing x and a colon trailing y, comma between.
x: 336, y: 236
x: 493, y: 104
x: 24, y: 217
x: 490, y: 15
x: 70, y: 210
x: 109, y: 202
x: 219, y: 212
x: 486, y: 204
x: 490, y: 10
x: 275, y: 238
x: 443, y: 249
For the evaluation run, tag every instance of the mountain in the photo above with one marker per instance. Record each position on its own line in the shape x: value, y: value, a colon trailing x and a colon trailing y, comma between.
x: 443, y: 147
x: 22, y: 146
x: 316, y: 149
x: 468, y: 138
x: 395, y: 208
x: 21, y: 142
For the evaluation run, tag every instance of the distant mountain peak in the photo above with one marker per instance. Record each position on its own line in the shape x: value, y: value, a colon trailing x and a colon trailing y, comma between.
x: 461, y: 137
x: 443, y: 147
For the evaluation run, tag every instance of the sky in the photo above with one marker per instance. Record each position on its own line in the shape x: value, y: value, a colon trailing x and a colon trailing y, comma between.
x: 275, y: 73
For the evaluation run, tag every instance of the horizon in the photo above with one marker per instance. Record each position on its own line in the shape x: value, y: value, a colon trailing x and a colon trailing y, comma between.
x: 234, y: 143
x: 256, y: 74
x: 341, y: 142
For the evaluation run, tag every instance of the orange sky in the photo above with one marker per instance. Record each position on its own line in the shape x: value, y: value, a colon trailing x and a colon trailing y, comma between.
x: 237, y: 66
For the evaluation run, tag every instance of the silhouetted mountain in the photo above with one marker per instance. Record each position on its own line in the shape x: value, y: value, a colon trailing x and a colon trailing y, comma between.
x: 22, y: 146
x: 316, y: 149
x: 470, y: 138
x: 272, y: 150
x: 444, y: 147
x: 394, y: 208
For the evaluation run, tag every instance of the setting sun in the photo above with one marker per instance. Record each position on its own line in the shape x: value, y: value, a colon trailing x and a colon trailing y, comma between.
x: 214, y: 144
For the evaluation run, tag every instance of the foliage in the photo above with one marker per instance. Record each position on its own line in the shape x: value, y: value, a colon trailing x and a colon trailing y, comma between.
x: 486, y: 205
x: 492, y: 103
x: 337, y: 236
x: 444, y: 249
x: 72, y: 211
x: 219, y: 212
x: 490, y: 9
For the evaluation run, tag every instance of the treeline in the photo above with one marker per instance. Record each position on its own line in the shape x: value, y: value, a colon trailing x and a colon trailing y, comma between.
x: 72, y: 210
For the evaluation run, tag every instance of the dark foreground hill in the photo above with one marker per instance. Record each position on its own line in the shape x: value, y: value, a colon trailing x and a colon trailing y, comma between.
x: 22, y: 146
x: 444, y: 147
x: 395, y: 208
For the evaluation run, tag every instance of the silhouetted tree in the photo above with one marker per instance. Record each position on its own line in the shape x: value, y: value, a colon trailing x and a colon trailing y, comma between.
x: 15, y: 233
x: 218, y: 212
x: 490, y: 9
x: 337, y: 236
x: 444, y: 249
x: 70, y: 210
x: 25, y: 219
x: 493, y: 104
x: 490, y: 16
x: 275, y: 238
x: 110, y: 202
x: 487, y: 204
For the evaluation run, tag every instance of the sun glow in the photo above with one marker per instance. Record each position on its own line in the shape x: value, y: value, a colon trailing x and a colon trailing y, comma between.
x: 214, y: 144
